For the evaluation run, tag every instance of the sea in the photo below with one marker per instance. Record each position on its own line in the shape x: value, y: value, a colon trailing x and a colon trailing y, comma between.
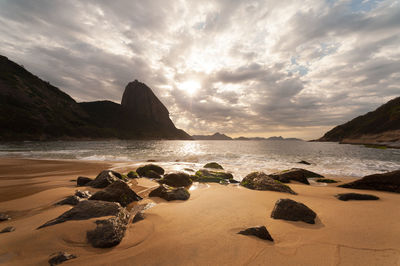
x: 238, y: 157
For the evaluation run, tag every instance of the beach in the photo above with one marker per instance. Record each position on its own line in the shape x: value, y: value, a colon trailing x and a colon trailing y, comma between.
x: 200, y: 231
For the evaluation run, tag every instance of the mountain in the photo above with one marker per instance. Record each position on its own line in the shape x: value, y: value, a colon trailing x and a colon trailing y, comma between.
x: 33, y: 109
x: 216, y: 136
x: 270, y: 138
x: 381, y: 127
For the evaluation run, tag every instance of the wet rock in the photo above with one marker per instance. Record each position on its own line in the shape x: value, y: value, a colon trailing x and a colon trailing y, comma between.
x: 304, y: 162
x: 233, y: 181
x: 138, y: 217
x: 8, y: 229
x: 295, y: 174
x: 60, y: 257
x: 260, y: 232
x: 70, y: 200
x: 105, y: 178
x: 83, y: 180
x: 385, y: 182
x: 188, y: 169
x: 145, y: 170
x: 287, y: 209
x: 261, y: 181
x: 109, y: 232
x: 213, y: 165
x: 118, y: 191
x: 170, y: 193
x: 205, y: 175
x: 83, y: 194
x: 326, y: 180
x: 152, y: 174
x: 4, y: 217
x: 132, y: 174
x: 177, y: 180
x: 355, y: 196
x: 151, y: 161
x: 88, y: 209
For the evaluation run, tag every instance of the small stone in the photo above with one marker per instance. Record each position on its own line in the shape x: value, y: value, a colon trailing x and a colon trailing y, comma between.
x: 304, y: 162
x: 83, y: 180
x: 4, y: 217
x: 355, y: 196
x: 260, y: 232
x: 60, y: 257
x: 8, y: 229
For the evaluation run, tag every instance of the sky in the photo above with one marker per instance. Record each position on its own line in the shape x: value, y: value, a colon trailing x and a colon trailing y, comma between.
x: 243, y: 68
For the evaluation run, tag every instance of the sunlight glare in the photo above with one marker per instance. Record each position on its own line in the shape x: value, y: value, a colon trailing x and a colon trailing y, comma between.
x: 190, y: 87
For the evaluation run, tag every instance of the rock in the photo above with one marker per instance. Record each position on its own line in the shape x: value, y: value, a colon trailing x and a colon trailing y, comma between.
x: 88, y: 209
x: 8, y: 229
x: 260, y: 232
x: 82, y: 181
x: 60, y: 257
x: 132, y: 174
x: 144, y: 170
x: 188, y: 169
x: 4, y: 217
x: 261, y: 181
x: 177, y: 180
x: 138, y: 217
x: 213, y: 165
x: 105, y: 178
x: 295, y: 174
x: 304, y: 162
x: 83, y: 194
x: 287, y: 209
x: 205, y: 175
x: 326, y: 180
x: 151, y: 161
x: 152, y: 174
x: 233, y: 181
x: 119, y: 192
x: 109, y: 232
x: 386, y: 182
x: 355, y: 196
x: 70, y: 200
x: 169, y: 193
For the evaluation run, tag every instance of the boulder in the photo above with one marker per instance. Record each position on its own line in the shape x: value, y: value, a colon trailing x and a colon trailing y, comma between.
x: 4, y: 217
x: 105, y: 178
x: 152, y: 174
x: 132, y: 174
x: 83, y: 194
x: 8, y: 229
x: 355, y: 196
x: 177, y: 180
x: 88, y: 209
x: 259, y: 231
x: 287, y: 209
x: 213, y: 165
x: 389, y: 181
x: 261, y: 181
x: 118, y: 191
x: 60, y: 257
x: 109, y: 232
x: 325, y: 180
x: 83, y: 180
x: 295, y: 174
x: 144, y: 171
x: 204, y: 175
x: 169, y: 193
x: 70, y: 200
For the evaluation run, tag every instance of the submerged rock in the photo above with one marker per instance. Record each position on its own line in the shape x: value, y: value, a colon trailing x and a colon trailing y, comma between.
x: 60, y: 257
x: 169, y: 193
x: 295, y: 174
x: 105, y: 178
x: 213, y: 165
x: 355, y: 196
x: 83, y: 194
x: 132, y: 174
x: 118, y: 191
x: 386, y: 182
x: 88, y: 209
x: 83, y: 180
x: 287, y: 209
x: 8, y: 229
x: 4, y: 217
x: 145, y: 171
x: 70, y: 200
x: 177, y: 180
x: 260, y: 232
x: 204, y: 175
x: 109, y: 232
x: 261, y: 181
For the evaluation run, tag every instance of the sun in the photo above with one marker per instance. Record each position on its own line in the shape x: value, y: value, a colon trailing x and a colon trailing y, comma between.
x: 190, y: 87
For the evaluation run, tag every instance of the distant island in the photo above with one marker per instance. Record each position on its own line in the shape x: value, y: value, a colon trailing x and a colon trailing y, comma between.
x: 379, y: 127
x: 33, y: 109
x: 219, y: 136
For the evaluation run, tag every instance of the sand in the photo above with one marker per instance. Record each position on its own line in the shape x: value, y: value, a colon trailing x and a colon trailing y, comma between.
x: 200, y: 231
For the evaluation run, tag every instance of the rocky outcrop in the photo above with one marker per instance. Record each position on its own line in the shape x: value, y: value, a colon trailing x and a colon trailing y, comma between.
x: 150, y: 170
x: 119, y: 192
x: 60, y: 257
x: 261, y: 181
x: 8, y: 229
x: 355, y: 196
x: 213, y: 165
x: 88, y: 209
x: 260, y: 232
x: 295, y: 174
x: 386, y: 182
x: 109, y: 232
x: 290, y: 210
x: 177, y: 180
x: 104, y: 179
x: 83, y: 180
x: 170, y: 193
x: 204, y: 175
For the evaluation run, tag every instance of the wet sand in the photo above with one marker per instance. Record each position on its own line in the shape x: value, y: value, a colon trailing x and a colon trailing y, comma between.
x: 200, y: 231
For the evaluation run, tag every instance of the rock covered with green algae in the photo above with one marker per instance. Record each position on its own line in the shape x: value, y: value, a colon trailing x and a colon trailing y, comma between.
x: 295, y: 174
x: 149, y: 170
x: 178, y: 179
x: 262, y: 181
x: 204, y: 175
x: 213, y: 165
x: 170, y: 193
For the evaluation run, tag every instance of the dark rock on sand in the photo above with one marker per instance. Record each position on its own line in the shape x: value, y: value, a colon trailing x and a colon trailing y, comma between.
x: 233, y: 181
x: 287, y: 209
x: 88, y: 209
x: 70, y: 200
x: 118, y: 191
x: 153, y: 175
x: 169, y: 193
x: 177, y: 180
x: 4, y: 217
x: 295, y: 174
x: 60, y: 257
x: 260, y: 232
x: 83, y: 180
x: 138, y: 217
x: 145, y: 170
x: 355, y: 196
x: 8, y: 229
x: 109, y: 232
x: 261, y: 181
x: 205, y: 175
x: 213, y: 165
x: 304, y: 162
x: 132, y: 174
x: 105, y: 178
x: 83, y: 194
x: 326, y: 180
x: 386, y: 182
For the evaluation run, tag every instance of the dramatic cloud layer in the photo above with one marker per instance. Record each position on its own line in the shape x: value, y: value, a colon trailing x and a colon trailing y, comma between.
x: 292, y: 68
